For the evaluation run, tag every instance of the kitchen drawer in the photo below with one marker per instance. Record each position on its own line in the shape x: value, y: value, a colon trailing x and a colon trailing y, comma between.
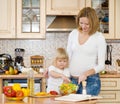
x: 110, y: 96
x: 110, y: 83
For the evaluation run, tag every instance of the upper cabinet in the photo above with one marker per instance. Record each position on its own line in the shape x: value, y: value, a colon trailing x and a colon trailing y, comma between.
x: 25, y: 19
x: 64, y: 7
x: 106, y: 12
x: 31, y: 19
x: 7, y: 18
x: 117, y: 18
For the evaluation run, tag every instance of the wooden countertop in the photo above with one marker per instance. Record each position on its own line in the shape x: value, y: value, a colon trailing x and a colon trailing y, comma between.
x: 110, y: 75
x: 19, y: 76
x: 30, y: 100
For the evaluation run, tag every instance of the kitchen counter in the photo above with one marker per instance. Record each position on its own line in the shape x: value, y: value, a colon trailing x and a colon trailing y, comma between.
x: 30, y: 100
x: 110, y: 75
x: 110, y: 88
x: 23, y: 76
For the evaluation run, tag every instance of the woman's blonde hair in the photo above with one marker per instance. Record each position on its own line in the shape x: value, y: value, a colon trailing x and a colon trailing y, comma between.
x: 90, y: 13
x: 60, y: 54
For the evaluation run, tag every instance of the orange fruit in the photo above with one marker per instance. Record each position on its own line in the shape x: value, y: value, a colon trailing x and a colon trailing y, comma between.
x: 7, y: 72
x: 15, y: 71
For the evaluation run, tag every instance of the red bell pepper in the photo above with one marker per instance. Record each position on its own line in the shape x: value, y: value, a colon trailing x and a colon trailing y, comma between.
x: 53, y: 93
x: 8, y: 91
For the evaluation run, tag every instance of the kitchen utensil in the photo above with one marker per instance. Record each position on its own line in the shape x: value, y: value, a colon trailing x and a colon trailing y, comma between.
x: 107, y: 62
x: 77, y: 97
x: 84, y: 92
x: 110, y: 51
x: 5, y: 61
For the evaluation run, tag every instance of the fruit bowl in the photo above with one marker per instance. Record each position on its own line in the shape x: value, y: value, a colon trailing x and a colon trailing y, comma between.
x: 68, y: 88
x: 15, y: 98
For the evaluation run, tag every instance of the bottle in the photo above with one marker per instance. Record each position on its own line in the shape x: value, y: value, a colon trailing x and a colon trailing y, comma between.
x: 41, y: 70
x: 30, y: 82
x: 84, y: 88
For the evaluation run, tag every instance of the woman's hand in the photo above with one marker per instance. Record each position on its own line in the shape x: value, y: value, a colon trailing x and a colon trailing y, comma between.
x: 84, y: 76
x: 81, y: 78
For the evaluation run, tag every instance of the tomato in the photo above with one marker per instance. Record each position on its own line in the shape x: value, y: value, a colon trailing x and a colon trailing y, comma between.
x: 19, y: 93
x: 53, y: 93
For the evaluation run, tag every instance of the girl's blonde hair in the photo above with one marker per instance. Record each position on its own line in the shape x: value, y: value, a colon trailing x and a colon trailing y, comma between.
x: 60, y: 54
x: 90, y: 13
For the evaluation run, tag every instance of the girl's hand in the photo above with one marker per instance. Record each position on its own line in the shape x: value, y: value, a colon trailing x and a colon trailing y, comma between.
x: 45, y: 74
x: 66, y: 79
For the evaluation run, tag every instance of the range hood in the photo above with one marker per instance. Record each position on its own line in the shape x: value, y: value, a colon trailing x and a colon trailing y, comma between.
x: 62, y: 23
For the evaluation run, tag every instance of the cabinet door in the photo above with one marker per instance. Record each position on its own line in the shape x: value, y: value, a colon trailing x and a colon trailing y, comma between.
x: 105, y: 10
x: 110, y: 96
x: 64, y: 7
x: 117, y: 19
x: 31, y: 19
x: 7, y: 18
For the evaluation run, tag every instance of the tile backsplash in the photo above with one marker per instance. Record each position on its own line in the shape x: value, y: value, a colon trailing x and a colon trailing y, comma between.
x: 47, y: 47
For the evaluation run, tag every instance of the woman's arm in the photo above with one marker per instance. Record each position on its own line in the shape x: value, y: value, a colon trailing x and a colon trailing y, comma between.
x: 71, y: 41
x: 101, y: 45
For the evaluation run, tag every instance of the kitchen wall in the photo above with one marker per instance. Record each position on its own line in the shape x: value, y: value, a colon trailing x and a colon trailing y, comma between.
x: 48, y: 46
x: 36, y: 47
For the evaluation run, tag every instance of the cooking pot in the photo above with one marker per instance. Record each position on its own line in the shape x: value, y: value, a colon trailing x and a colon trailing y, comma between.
x: 5, y: 61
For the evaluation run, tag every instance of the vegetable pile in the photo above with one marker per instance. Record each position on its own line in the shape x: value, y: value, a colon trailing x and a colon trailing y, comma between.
x: 15, y: 91
x: 46, y: 94
x: 68, y: 88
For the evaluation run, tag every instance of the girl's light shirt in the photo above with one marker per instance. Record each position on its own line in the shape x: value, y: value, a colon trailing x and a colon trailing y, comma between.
x: 54, y: 83
x: 90, y: 55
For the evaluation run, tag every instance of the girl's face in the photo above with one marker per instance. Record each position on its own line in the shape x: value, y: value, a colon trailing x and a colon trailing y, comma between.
x: 61, y: 63
x: 84, y: 23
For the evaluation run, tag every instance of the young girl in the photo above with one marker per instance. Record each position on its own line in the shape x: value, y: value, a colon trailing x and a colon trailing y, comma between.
x: 58, y: 71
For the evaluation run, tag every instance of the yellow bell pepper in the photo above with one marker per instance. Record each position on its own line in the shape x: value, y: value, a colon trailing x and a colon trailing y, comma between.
x: 16, y: 86
x: 26, y: 91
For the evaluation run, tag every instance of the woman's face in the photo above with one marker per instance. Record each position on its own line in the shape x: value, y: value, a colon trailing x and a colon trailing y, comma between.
x: 61, y: 63
x: 84, y: 23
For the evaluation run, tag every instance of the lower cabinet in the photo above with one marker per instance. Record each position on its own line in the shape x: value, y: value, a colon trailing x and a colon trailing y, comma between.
x: 110, y: 91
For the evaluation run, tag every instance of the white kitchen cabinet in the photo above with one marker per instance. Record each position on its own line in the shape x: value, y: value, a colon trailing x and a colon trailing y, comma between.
x: 22, y: 19
x: 7, y: 18
x: 117, y: 18
x: 106, y: 13
x: 64, y: 7
x: 110, y: 91
x: 31, y: 19
x: 104, y: 8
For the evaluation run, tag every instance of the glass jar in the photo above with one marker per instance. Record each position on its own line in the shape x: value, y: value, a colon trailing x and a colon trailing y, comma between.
x: 30, y: 82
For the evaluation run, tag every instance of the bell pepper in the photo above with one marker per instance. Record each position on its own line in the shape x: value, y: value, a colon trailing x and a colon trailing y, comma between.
x: 16, y: 86
x: 53, y: 93
x: 8, y: 91
x: 26, y: 91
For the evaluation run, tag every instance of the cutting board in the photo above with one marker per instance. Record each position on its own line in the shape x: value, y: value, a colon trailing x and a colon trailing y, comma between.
x: 77, y: 97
